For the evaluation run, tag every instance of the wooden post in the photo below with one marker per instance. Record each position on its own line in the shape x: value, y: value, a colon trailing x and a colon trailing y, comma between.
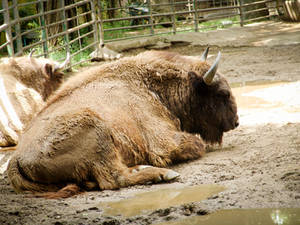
x: 78, y: 31
x: 241, y: 12
x: 189, y: 7
x: 196, y: 17
x: 8, y: 35
x: 173, y: 17
x: 65, y: 28
x: 100, y: 24
x: 18, y: 28
x: 151, y: 17
x: 44, y: 29
x: 95, y: 28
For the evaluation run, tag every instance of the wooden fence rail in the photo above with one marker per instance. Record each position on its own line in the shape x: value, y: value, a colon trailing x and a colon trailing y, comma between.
x: 82, y: 26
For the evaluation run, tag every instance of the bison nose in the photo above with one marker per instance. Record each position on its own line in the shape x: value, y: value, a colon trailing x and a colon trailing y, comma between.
x: 237, y: 123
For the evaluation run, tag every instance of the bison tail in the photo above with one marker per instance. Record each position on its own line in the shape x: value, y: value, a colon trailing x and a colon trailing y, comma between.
x: 21, y: 183
x: 66, y: 192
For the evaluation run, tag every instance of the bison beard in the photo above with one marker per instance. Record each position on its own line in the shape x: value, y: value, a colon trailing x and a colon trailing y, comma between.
x: 122, y: 123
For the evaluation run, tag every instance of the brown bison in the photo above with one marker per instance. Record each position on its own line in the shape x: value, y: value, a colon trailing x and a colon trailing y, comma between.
x: 121, y: 123
x: 25, y: 84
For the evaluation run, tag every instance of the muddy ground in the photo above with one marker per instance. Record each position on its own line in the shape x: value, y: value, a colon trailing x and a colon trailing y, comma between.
x: 259, y: 166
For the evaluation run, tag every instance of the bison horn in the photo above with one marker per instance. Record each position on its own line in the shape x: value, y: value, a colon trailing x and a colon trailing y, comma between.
x: 31, y: 53
x: 62, y: 65
x: 204, y: 55
x: 209, y: 76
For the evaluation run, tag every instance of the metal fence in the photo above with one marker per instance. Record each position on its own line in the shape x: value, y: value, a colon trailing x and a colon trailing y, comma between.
x: 82, y: 26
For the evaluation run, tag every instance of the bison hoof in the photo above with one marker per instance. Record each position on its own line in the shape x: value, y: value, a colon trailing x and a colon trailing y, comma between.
x: 171, y: 175
x: 141, y: 167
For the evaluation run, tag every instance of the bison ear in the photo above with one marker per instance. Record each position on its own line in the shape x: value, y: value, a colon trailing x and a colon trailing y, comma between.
x: 196, y: 80
x: 49, y: 69
x: 52, y: 73
x: 192, y: 75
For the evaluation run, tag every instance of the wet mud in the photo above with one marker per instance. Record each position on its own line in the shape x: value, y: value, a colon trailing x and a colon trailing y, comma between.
x: 243, y: 216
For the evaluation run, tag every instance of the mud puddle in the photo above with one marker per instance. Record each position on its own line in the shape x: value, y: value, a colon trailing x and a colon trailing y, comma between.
x: 262, y: 103
x: 160, y: 199
x: 244, y: 217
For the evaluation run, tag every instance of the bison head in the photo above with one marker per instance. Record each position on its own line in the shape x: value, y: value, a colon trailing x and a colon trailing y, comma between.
x: 41, y: 74
x: 49, y: 72
x: 213, y: 109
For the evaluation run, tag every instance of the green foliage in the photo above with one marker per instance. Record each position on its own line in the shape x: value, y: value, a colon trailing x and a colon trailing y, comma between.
x: 116, y: 33
x: 219, y: 23
x: 28, y: 11
x: 75, y: 48
x: 32, y: 25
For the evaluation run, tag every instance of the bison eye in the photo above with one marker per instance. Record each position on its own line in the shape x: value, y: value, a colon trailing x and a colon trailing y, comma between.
x: 224, y: 94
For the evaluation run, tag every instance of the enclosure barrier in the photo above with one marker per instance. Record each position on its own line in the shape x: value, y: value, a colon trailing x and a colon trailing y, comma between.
x: 54, y: 28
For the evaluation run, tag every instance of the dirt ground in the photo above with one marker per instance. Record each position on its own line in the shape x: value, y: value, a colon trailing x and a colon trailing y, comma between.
x: 259, y: 166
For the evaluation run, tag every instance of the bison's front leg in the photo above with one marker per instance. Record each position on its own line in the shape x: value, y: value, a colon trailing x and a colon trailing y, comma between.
x: 119, y: 175
x: 189, y: 147
x: 142, y: 174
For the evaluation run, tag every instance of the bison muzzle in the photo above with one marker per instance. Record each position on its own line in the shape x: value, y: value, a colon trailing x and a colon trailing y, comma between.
x: 123, y: 123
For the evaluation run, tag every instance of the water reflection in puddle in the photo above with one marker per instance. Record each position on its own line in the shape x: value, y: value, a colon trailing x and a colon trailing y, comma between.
x: 268, y: 103
x: 162, y: 198
x: 244, y: 217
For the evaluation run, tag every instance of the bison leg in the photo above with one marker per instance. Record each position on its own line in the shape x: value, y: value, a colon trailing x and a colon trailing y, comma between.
x: 143, y: 174
x: 189, y: 147
x: 110, y: 178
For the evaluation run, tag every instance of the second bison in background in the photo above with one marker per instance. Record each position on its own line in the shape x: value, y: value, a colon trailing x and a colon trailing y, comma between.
x: 25, y: 84
x: 120, y: 123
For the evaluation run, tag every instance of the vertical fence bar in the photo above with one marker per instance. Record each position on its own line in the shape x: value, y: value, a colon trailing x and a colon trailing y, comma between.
x: 151, y: 17
x: 95, y: 28
x: 196, y: 17
x: 241, y: 2
x: 65, y: 29
x: 78, y: 31
x: 277, y: 4
x: 189, y: 7
x: 173, y: 17
x: 44, y: 29
x: 18, y: 28
x: 100, y: 24
x: 8, y: 34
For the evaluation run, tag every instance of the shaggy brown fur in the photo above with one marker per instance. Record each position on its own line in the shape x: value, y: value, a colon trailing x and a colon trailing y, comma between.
x: 105, y: 124
x: 27, y: 83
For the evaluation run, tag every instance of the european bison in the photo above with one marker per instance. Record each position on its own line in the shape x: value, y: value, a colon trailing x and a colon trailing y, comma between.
x: 121, y: 123
x: 25, y: 84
